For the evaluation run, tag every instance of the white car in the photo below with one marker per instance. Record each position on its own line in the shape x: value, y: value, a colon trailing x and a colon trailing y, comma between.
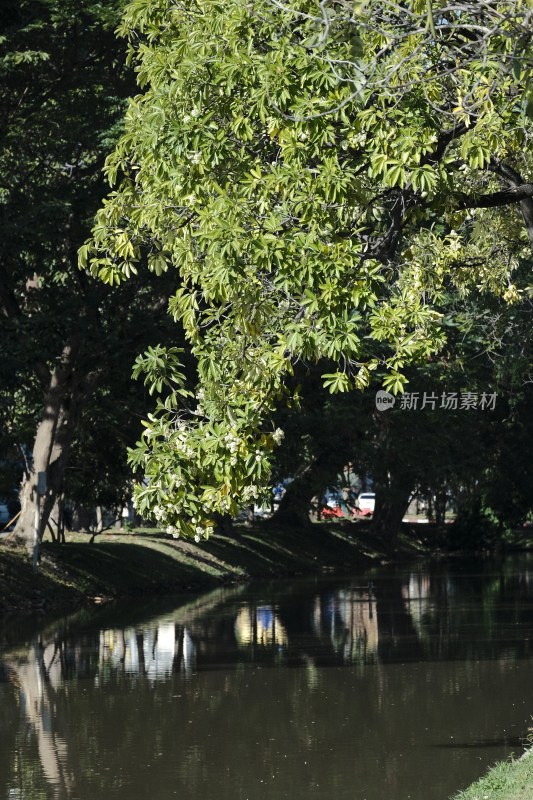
x: 366, y: 503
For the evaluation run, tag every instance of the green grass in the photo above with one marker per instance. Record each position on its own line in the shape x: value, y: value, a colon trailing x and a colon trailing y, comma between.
x: 150, y: 562
x: 508, y: 780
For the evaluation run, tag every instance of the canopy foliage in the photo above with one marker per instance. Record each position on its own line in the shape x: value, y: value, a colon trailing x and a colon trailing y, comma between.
x: 319, y: 175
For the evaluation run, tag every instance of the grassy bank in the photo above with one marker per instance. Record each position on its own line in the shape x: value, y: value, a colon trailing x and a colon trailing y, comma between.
x: 151, y: 562
x: 509, y: 780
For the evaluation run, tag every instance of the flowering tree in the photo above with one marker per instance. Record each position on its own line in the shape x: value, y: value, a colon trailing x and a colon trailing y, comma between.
x: 318, y: 175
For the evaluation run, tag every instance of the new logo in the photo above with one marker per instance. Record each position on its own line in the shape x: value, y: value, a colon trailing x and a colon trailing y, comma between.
x: 384, y: 400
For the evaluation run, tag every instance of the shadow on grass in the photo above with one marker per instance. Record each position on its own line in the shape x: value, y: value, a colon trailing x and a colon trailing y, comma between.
x: 117, y: 568
x: 153, y: 563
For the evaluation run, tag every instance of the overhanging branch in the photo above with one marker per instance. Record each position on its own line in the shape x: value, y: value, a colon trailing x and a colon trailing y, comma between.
x: 515, y: 194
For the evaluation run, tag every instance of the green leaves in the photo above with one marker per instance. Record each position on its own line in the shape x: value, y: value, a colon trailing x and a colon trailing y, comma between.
x: 161, y: 367
x: 299, y: 178
x: 336, y: 382
x: 424, y: 179
x: 395, y: 382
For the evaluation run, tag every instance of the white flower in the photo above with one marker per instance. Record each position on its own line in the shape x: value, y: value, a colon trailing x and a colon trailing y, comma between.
x: 278, y: 436
x: 186, y: 118
x: 197, y: 538
x: 195, y: 157
x: 232, y: 442
x: 194, y: 112
x: 250, y: 493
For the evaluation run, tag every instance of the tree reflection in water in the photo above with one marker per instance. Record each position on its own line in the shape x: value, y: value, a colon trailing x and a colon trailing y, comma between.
x: 38, y: 673
x: 99, y: 707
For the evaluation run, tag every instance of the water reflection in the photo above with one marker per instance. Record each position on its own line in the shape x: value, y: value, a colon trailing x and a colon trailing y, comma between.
x: 302, y: 690
x: 37, y: 673
x: 260, y: 626
x: 154, y: 651
x: 349, y: 619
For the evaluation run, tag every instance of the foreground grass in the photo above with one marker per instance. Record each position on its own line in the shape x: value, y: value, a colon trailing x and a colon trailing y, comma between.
x: 151, y: 562
x: 509, y: 780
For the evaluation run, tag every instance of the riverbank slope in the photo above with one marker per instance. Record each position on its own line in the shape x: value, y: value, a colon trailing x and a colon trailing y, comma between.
x: 119, y: 564
x: 508, y: 780
x: 146, y: 562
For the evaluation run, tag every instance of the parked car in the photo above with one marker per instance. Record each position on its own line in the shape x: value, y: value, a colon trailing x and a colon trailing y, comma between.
x: 366, y: 503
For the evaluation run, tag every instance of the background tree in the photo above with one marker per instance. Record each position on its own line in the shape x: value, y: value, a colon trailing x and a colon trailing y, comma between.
x: 428, y: 449
x: 64, y: 336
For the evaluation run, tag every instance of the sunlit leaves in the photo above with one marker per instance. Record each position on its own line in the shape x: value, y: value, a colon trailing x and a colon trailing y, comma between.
x: 296, y: 166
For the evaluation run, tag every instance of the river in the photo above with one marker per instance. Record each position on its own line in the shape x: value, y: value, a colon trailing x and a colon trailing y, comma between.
x: 402, y: 683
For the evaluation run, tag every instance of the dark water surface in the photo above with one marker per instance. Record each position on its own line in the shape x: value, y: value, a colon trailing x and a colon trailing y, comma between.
x: 298, y: 689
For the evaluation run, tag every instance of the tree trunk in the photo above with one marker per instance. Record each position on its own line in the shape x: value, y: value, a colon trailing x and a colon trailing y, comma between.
x: 440, y: 507
x: 394, y: 479
x: 50, y: 454
x: 393, y: 493
x: 99, y: 527
x: 224, y: 524
x: 295, y: 505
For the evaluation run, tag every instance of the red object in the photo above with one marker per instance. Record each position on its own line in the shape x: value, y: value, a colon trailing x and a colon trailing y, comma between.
x: 362, y: 512
x: 327, y: 511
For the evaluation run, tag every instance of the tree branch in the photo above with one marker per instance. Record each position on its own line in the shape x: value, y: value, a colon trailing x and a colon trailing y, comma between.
x: 518, y: 192
x: 515, y: 194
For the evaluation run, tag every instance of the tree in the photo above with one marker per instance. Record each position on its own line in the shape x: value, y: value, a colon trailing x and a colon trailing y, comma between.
x: 64, y: 336
x: 319, y: 176
x: 427, y: 445
x: 323, y: 434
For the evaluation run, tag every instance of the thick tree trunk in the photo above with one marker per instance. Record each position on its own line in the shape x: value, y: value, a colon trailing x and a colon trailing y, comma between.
x: 393, y: 493
x: 224, y: 524
x: 295, y: 505
x: 50, y: 454
x: 394, y: 479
